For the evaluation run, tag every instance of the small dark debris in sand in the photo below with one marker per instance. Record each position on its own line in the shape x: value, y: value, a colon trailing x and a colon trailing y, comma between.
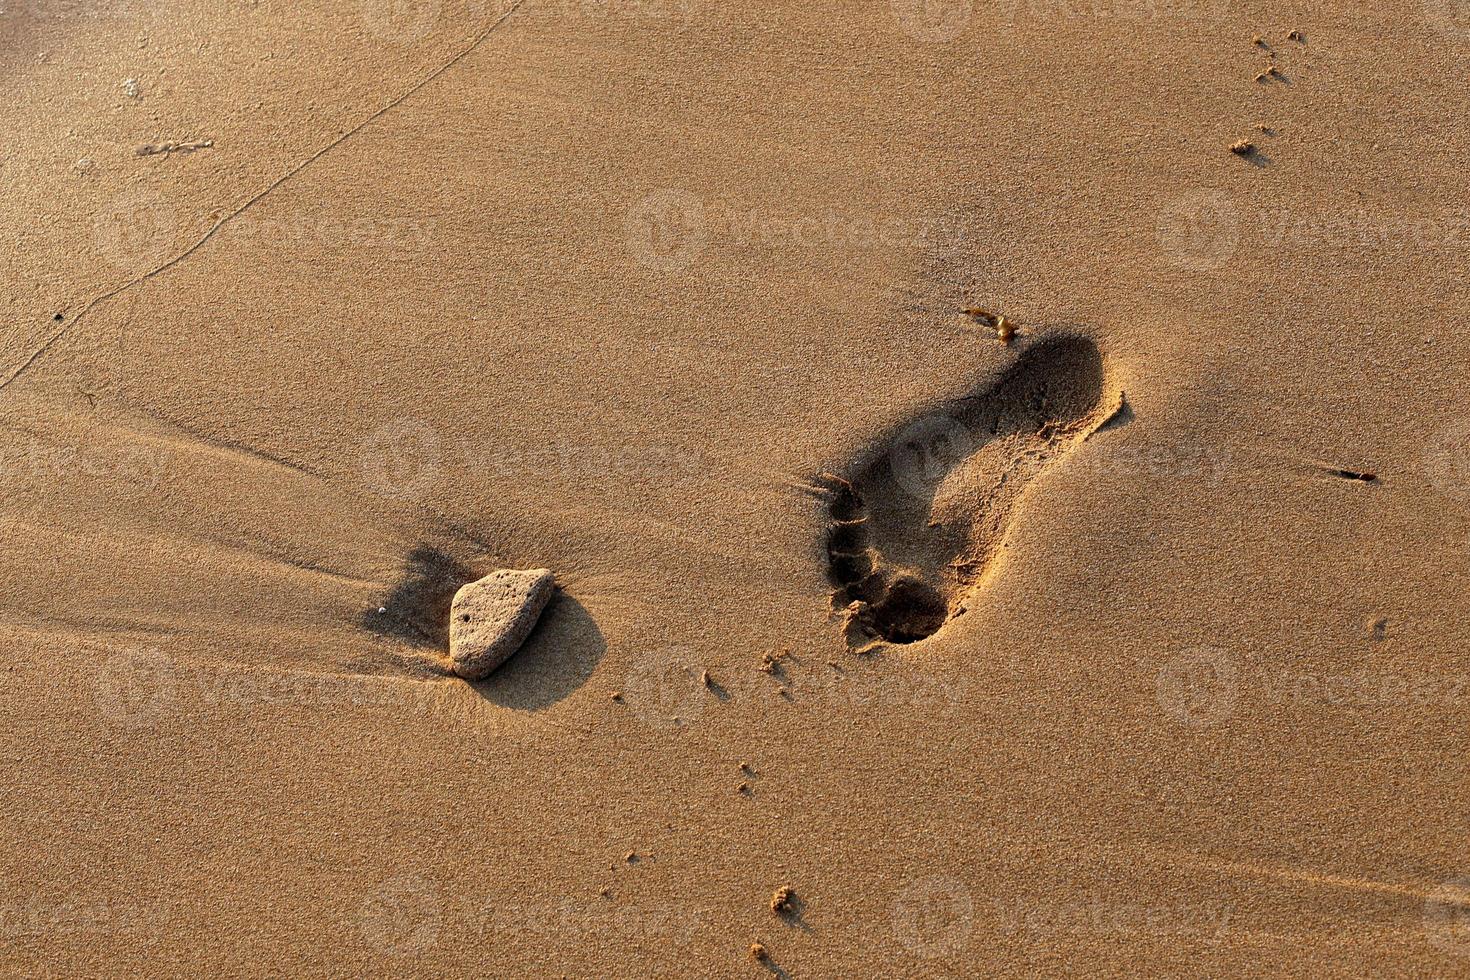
x: 170, y: 146
x: 1361, y: 477
x: 743, y: 789
x: 781, y: 901
x: 605, y: 892
x: 1378, y: 630
x: 1243, y: 148
x: 616, y: 696
x: 1297, y: 36
x: 631, y: 857
x: 747, y: 768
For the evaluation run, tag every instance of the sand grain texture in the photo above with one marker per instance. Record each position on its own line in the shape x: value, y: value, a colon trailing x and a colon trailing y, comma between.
x: 608, y: 289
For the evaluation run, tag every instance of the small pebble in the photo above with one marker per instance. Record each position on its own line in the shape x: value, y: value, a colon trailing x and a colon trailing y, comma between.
x: 490, y: 618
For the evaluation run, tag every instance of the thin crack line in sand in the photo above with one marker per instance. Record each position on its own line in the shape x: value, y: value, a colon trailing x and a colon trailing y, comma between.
x: 379, y: 113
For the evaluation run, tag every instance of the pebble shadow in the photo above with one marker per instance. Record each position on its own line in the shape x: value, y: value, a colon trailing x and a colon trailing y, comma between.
x: 556, y: 659
x: 417, y: 609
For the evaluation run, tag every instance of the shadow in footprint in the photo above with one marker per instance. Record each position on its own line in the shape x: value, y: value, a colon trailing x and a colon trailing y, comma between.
x: 917, y: 519
x: 556, y: 659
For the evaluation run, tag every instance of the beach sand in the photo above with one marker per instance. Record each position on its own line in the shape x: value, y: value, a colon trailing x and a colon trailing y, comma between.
x: 630, y: 291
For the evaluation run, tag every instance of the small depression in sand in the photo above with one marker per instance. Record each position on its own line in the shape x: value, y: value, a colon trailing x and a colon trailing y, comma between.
x: 914, y: 524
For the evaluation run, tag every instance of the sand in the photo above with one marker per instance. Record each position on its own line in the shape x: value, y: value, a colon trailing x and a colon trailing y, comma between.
x: 608, y: 288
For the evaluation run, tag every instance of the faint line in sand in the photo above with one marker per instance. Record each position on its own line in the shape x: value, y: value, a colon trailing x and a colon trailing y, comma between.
x: 96, y: 301
x: 137, y: 687
x: 1308, y: 877
x: 222, y: 446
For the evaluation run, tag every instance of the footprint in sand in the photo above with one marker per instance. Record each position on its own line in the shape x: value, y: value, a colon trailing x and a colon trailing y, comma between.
x: 916, y: 521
